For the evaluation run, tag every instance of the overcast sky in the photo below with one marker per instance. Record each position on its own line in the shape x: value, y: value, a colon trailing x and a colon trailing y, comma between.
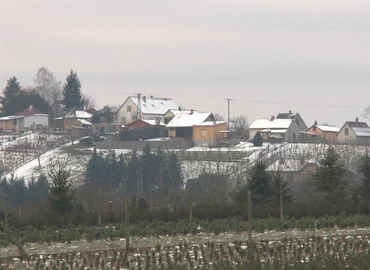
x: 310, y: 57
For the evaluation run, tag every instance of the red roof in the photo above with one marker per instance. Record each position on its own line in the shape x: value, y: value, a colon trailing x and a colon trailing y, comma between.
x: 29, y: 112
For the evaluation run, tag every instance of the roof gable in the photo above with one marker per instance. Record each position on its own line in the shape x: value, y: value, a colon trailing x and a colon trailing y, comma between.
x: 154, y: 105
x: 267, y: 123
x: 29, y: 111
x: 361, y: 129
x: 326, y: 128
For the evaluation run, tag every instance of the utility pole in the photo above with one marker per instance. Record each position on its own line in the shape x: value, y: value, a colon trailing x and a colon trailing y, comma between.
x: 228, y: 113
x: 138, y: 106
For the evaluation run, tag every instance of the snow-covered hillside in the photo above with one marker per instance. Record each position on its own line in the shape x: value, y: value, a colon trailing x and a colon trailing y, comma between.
x: 234, y: 161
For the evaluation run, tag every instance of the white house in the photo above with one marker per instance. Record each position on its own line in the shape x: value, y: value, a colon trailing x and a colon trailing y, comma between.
x: 285, y: 127
x: 146, y: 108
x: 32, y: 118
x: 354, y: 133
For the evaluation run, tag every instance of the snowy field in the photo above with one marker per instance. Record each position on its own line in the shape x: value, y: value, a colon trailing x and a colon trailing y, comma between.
x: 44, y: 250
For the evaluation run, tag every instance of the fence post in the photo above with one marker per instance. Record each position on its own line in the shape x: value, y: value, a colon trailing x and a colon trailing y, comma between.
x: 249, y: 217
x: 6, y: 210
x: 99, y: 210
x: 127, y: 222
x: 281, y: 200
x: 190, y: 205
x: 110, y: 206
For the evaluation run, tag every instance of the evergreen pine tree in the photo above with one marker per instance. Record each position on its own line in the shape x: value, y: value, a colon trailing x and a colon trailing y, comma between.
x: 121, y: 165
x: 112, y: 171
x: 278, y: 178
x: 72, y: 93
x: 329, y: 177
x: 10, y: 91
x: 147, y: 170
x: 161, y: 171
x: 38, y: 189
x: 133, y: 174
x: 23, y: 99
x: 61, y: 193
x: 94, y: 168
x: 365, y: 170
x: 259, y: 183
x: 257, y: 139
x: 175, y: 174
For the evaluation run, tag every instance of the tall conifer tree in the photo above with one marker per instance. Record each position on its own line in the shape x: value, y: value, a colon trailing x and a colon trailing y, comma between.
x: 72, y: 93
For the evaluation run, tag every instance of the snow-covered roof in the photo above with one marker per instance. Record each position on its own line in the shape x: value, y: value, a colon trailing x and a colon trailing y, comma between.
x: 84, y: 122
x: 265, y: 123
x: 361, y: 132
x: 327, y: 128
x: 10, y: 117
x: 154, y: 105
x: 176, y: 111
x: 78, y: 114
x: 40, y: 114
x: 274, y: 131
x: 188, y: 120
x: 211, y: 123
x: 153, y: 122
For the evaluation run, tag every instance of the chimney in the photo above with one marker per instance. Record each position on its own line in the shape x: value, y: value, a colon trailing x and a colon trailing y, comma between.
x: 356, y: 119
x: 179, y: 108
x: 191, y: 111
x: 290, y: 112
x: 30, y: 108
x: 144, y: 98
x: 157, y: 121
x: 272, y: 118
x: 151, y: 96
x: 315, y: 123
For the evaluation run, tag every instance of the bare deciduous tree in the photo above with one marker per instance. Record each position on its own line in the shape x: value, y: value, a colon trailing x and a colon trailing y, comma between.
x: 366, y: 112
x: 47, y: 85
x: 88, y: 101
x: 218, y: 117
x: 239, y: 125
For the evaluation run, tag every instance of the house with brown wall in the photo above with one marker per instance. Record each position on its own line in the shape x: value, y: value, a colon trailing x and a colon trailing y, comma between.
x: 209, y: 132
x: 199, y: 127
x: 11, y: 123
x: 322, y: 133
x: 76, y: 118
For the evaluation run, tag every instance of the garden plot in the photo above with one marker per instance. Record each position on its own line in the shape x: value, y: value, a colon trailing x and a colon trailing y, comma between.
x: 304, y: 249
x: 22, y: 150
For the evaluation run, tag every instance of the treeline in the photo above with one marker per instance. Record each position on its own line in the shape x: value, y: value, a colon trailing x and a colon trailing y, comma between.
x: 154, y: 177
x: 150, y: 173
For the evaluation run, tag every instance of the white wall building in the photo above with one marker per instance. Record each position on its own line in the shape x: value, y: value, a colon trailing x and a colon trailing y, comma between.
x: 145, y: 108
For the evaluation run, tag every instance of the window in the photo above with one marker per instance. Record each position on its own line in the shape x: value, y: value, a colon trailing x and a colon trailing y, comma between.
x: 346, y: 131
x: 128, y: 108
x: 203, y: 133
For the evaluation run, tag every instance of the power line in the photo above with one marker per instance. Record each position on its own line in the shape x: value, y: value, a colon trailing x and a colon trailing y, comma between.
x: 220, y: 98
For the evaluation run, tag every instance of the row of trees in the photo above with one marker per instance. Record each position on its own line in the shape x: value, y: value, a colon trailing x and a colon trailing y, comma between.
x: 328, y: 181
x: 151, y: 173
x: 53, y: 190
x: 46, y: 91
